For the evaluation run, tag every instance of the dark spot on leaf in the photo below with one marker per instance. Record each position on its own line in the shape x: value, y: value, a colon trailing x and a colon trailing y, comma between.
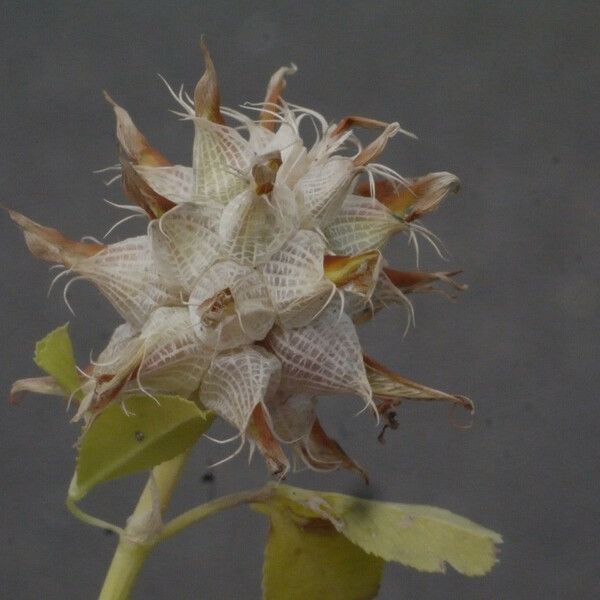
x: 359, y: 509
x: 406, y: 521
x: 208, y: 477
x: 139, y: 436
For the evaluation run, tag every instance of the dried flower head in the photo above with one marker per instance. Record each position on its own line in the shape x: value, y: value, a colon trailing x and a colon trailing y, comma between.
x: 257, y: 264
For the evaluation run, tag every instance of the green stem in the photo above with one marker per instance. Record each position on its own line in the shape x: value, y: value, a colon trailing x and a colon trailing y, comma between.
x: 91, y: 520
x: 124, y: 569
x: 210, y: 508
x: 131, y: 552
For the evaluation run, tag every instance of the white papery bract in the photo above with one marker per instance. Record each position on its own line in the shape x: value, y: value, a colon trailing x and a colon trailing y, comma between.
x: 128, y: 275
x: 183, y: 245
x: 296, y: 279
x: 238, y: 381
x: 252, y: 228
x: 232, y: 301
x: 361, y: 224
x: 175, y: 182
x: 323, y: 189
x: 257, y: 263
x: 324, y: 356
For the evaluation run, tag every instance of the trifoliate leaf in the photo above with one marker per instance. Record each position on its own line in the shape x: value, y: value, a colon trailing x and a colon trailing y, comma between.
x: 423, y: 537
x: 54, y: 355
x: 118, y: 444
x: 307, y: 559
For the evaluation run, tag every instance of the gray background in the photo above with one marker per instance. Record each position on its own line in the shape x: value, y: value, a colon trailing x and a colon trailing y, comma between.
x: 505, y: 95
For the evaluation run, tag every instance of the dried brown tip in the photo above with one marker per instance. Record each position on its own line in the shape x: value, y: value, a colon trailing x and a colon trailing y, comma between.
x: 132, y: 142
x: 259, y: 429
x: 323, y: 453
x: 134, y: 149
x: 273, y: 97
x: 382, y: 187
x: 356, y: 121
x: 377, y: 146
x: 390, y: 387
x: 421, y: 281
x: 429, y: 191
x: 207, y: 100
x: 417, y: 198
x: 52, y: 246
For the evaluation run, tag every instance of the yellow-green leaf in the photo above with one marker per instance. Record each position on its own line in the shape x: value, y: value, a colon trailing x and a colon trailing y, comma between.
x: 54, y: 355
x: 307, y: 559
x: 423, y: 537
x: 118, y: 444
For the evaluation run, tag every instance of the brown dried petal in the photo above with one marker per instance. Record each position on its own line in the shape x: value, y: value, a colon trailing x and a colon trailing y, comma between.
x: 273, y: 97
x: 390, y: 389
x: 377, y: 146
x: 207, y: 101
x: 50, y: 245
x: 259, y: 429
x: 134, y: 150
x: 322, y: 453
x: 421, y: 281
x: 353, y: 120
x: 420, y: 197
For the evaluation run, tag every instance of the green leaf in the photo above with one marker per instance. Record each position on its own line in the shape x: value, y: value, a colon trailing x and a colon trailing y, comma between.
x: 54, y: 355
x: 118, y: 444
x: 307, y: 559
x: 423, y: 537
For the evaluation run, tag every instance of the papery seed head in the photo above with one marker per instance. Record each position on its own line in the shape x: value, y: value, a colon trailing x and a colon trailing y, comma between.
x: 257, y: 264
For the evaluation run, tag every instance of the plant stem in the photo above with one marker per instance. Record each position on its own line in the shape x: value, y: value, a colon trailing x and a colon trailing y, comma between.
x: 131, y: 553
x: 124, y: 569
x: 91, y: 520
x: 209, y: 508
x: 133, y: 548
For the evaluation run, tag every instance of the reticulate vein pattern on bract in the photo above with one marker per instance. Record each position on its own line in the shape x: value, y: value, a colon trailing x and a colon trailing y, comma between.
x: 258, y: 262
